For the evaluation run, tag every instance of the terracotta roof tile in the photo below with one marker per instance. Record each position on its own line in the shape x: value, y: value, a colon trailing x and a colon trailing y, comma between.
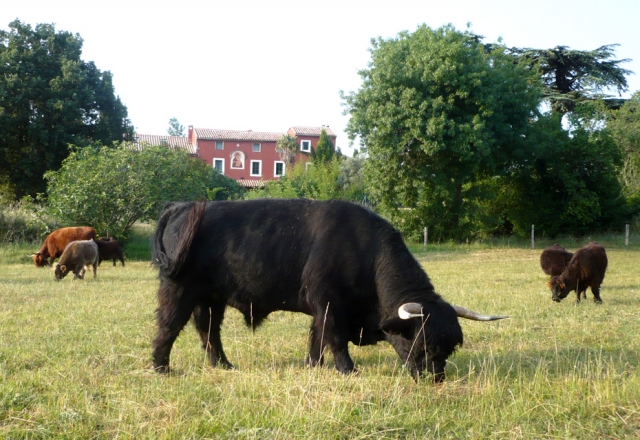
x: 251, y: 183
x: 236, y: 135
x: 175, y: 142
x: 311, y: 131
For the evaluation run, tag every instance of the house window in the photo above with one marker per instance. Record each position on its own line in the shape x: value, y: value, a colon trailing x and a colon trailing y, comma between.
x: 256, y: 168
x: 305, y: 146
x: 218, y: 164
x: 256, y: 148
x: 307, y: 165
x: 278, y: 169
x: 219, y: 145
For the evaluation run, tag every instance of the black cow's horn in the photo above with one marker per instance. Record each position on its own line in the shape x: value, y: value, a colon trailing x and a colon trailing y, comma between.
x: 410, y: 310
x: 475, y: 316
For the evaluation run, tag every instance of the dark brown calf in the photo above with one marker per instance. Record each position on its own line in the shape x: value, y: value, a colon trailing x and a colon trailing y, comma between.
x: 554, y: 259
x: 586, y: 269
x: 109, y: 249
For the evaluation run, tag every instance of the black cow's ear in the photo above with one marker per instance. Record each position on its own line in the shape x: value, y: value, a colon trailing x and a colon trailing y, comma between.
x: 397, y: 326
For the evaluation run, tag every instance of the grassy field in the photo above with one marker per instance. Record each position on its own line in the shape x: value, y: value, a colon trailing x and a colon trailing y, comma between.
x: 75, y: 360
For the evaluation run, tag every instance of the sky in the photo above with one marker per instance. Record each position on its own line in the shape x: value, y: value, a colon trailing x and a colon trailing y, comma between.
x: 270, y: 65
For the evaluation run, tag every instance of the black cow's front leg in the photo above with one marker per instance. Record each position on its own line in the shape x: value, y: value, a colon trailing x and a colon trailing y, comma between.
x: 172, y: 314
x: 596, y: 294
x: 329, y: 330
x: 208, y: 320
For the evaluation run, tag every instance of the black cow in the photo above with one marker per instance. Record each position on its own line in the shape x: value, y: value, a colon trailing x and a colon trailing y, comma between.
x: 554, y: 259
x: 586, y: 269
x: 338, y: 262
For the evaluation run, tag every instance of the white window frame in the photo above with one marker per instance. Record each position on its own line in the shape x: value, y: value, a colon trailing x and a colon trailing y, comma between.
x: 221, y: 160
x: 253, y: 147
x: 259, y: 162
x: 221, y: 143
x: 275, y: 168
x: 307, y: 165
x: 306, y: 142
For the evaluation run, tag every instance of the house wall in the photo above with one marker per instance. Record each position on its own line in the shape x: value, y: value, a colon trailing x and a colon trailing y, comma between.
x: 267, y: 155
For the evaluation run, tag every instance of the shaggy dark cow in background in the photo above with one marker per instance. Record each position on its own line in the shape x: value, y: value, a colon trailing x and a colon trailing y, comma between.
x: 586, y: 269
x: 554, y: 259
x: 57, y: 240
x: 338, y: 262
x: 109, y: 249
x: 75, y: 257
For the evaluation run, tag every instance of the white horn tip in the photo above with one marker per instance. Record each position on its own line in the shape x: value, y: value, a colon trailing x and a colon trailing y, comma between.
x: 410, y: 310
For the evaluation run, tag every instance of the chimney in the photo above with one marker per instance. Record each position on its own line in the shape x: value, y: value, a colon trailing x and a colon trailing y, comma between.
x: 190, y: 134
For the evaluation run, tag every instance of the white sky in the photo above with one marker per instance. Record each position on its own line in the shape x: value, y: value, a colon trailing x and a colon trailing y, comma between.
x: 267, y: 65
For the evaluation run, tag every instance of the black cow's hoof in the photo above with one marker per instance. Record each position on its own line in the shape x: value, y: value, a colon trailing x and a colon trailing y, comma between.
x: 161, y: 369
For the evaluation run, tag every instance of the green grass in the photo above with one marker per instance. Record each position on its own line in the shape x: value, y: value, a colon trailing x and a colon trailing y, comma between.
x: 75, y: 360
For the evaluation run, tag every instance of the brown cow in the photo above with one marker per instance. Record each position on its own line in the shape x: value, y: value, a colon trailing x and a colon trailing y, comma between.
x: 56, y: 241
x: 554, y: 259
x: 586, y: 269
x: 109, y: 249
x: 75, y: 257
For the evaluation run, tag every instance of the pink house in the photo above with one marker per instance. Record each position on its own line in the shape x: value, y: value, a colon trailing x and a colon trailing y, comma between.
x: 249, y: 156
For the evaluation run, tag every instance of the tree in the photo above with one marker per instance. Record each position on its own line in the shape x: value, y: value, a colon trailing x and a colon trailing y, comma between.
x: 175, y: 129
x: 625, y: 127
x: 287, y: 147
x: 324, y: 150
x: 572, y: 76
x: 435, y: 113
x: 112, y: 188
x: 50, y: 98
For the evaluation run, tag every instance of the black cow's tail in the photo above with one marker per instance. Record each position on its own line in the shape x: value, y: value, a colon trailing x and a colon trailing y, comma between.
x: 171, y: 268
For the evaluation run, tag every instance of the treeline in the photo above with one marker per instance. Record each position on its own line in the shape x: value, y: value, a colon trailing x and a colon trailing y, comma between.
x: 471, y: 139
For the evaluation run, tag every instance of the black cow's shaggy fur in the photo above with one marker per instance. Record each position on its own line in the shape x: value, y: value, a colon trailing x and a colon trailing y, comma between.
x: 338, y: 262
x: 554, y: 259
x: 586, y: 269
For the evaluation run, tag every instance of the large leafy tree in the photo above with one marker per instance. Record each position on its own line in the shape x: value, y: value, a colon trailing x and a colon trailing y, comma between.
x: 50, y: 98
x: 436, y: 113
x: 112, y: 188
x: 625, y: 127
x: 572, y: 76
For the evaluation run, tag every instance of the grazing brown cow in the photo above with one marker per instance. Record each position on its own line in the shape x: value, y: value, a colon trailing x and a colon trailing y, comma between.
x: 554, y: 259
x: 586, y: 269
x: 75, y: 257
x: 56, y: 241
x: 109, y: 249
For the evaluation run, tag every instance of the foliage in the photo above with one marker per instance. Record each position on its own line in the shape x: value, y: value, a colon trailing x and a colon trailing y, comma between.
x: 625, y: 127
x: 50, y: 98
x: 175, y: 128
x: 571, y: 76
x: 111, y: 188
x: 351, y: 180
x: 310, y: 180
x: 570, y: 183
x: 24, y: 221
x: 287, y: 147
x: 435, y: 114
x: 325, y: 150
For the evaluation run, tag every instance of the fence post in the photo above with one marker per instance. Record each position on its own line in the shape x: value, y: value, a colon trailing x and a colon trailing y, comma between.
x: 626, y: 234
x: 533, y: 242
x: 426, y: 235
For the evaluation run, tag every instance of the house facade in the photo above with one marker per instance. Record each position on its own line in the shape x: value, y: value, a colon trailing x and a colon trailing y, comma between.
x: 250, y: 157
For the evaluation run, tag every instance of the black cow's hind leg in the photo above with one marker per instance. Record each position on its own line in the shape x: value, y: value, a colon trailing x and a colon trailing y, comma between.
x: 208, y: 318
x: 172, y: 314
